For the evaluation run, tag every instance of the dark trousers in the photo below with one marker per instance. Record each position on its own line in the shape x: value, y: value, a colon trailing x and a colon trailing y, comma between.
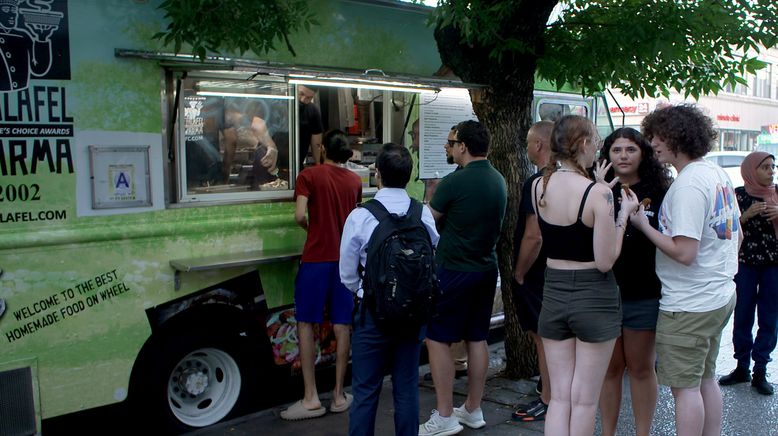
x: 757, y: 293
x: 373, y: 354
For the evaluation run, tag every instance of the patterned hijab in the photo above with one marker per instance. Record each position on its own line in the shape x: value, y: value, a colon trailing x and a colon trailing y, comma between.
x: 753, y: 188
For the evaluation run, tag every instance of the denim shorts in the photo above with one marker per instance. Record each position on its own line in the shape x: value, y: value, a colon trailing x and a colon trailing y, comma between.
x: 463, y: 310
x: 640, y: 314
x: 318, y: 286
x: 584, y: 304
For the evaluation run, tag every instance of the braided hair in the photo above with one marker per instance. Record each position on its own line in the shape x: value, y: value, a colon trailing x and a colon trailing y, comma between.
x: 567, y: 138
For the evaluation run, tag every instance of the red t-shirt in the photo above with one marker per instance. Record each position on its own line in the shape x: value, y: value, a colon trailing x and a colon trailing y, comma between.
x: 333, y: 192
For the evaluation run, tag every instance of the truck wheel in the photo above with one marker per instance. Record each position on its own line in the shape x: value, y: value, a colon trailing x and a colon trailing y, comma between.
x: 203, y: 386
x: 195, y: 380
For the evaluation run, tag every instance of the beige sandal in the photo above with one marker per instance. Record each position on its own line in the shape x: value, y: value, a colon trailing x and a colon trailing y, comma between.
x: 297, y: 411
x: 344, y: 406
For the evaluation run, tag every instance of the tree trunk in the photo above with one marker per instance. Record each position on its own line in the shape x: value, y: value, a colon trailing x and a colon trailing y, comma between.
x: 505, y: 107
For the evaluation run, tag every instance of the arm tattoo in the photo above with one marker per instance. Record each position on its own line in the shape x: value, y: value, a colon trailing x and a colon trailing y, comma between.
x: 609, y: 198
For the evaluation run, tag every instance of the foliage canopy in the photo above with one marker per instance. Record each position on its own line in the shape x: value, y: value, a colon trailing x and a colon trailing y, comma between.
x: 233, y: 25
x: 641, y: 47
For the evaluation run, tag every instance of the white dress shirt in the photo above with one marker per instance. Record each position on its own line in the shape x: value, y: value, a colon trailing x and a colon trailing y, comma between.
x: 359, y: 227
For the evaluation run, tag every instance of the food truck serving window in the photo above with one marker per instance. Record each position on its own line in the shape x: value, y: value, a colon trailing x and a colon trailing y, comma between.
x: 234, y: 139
x: 243, y: 139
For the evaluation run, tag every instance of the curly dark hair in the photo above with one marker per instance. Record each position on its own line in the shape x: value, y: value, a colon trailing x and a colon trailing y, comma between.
x: 683, y: 127
x: 650, y: 171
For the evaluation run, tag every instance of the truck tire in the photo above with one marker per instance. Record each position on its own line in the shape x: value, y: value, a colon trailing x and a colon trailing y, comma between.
x: 193, y: 381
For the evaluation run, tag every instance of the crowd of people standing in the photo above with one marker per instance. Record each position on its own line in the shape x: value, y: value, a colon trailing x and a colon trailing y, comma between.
x: 618, y: 269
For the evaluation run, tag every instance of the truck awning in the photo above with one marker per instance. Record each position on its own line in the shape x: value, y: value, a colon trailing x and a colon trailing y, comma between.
x: 302, y: 74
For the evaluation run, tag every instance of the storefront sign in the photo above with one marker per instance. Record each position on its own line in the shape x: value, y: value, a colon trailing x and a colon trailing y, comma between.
x: 640, y: 108
x: 725, y: 117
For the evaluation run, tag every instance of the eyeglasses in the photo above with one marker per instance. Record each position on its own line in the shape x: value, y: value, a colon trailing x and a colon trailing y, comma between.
x: 451, y: 142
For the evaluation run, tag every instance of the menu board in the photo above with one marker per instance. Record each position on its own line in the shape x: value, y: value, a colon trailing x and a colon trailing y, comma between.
x: 438, y: 113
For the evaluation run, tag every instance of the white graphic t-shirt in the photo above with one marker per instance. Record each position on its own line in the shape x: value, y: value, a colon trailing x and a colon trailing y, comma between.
x: 701, y: 205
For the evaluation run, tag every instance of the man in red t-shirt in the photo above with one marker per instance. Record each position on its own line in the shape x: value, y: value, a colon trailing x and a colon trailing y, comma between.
x: 328, y: 192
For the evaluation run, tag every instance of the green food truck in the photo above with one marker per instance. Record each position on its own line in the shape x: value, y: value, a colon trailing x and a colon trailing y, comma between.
x: 148, y: 248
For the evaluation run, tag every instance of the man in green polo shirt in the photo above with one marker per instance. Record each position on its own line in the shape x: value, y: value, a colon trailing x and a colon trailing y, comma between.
x: 469, y: 206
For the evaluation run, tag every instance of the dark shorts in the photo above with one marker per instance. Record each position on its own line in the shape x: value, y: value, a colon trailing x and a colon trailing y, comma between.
x: 318, y: 285
x: 528, y: 299
x: 640, y: 314
x: 584, y: 304
x: 464, y: 308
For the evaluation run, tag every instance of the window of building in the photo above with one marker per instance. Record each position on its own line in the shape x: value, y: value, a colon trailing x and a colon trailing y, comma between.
x: 740, y: 89
x: 763, y: 82
x: 737, y: 140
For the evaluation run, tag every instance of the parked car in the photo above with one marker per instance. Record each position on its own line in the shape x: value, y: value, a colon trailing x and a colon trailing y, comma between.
x: 730, y: 161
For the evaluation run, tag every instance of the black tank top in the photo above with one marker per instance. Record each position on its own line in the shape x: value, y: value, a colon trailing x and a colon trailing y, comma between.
x: 574, y: 242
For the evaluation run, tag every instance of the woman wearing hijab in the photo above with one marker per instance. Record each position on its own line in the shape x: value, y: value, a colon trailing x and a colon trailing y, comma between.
x: 757, y: 277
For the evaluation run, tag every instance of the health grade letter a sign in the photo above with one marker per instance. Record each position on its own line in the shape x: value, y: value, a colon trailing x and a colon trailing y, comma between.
x: 122, y: 187
x: 120, y: 176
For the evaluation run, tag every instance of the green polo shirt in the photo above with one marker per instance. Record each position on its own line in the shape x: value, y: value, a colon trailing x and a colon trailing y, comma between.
x: 472, y: 201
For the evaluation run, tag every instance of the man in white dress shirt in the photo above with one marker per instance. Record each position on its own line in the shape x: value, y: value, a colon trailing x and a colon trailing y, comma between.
x: 373, y: 349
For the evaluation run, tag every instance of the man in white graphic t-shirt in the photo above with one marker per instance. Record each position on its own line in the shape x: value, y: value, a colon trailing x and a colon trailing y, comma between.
x: 698, y: 239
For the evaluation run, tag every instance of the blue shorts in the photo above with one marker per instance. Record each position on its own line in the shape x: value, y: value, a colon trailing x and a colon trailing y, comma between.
x: 318, y: 284
x: 640, y: 314
x: 464, y: 307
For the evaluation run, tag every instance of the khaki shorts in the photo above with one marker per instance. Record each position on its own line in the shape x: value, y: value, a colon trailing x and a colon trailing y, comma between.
x: 687, y: 345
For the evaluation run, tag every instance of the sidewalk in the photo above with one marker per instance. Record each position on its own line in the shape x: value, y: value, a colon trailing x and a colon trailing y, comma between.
x: 745, y: 411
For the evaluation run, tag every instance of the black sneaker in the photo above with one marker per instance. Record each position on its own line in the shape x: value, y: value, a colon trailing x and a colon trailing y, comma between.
x: 738, y: 375
x: 534, y: 411
x: 760, y: 383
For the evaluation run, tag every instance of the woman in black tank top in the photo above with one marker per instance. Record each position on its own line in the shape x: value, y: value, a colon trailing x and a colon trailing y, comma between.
x: 581, y: 314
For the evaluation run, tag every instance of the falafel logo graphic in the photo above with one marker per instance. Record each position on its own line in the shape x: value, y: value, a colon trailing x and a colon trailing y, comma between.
x: 26, y: 28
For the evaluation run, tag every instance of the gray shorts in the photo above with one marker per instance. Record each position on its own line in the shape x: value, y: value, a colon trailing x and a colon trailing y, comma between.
x: 640, y: 314
x: 584, y: 304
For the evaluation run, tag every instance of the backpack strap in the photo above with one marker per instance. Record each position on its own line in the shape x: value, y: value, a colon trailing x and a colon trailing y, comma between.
x: 376, y: 208
x: 415, y: 209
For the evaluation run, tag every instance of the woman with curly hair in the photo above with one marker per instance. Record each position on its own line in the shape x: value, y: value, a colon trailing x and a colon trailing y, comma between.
x: 696, y: 261
x: 628, y: 162
x: 580, y: 318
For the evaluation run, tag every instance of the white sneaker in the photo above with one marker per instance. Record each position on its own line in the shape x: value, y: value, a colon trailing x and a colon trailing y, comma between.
x: 474, y: 419
x: 440, y: 426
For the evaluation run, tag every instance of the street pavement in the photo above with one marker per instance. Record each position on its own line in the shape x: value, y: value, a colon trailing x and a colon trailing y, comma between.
x: 746, y: 413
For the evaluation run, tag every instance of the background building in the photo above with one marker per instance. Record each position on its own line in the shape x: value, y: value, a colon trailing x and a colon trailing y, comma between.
x: 745, y: 116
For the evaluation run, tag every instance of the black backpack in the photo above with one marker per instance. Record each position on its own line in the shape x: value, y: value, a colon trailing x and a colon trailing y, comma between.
x: 399, y: 281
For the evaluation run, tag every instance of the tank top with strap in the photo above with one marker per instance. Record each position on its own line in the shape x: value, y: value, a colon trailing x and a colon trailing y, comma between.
x: 574, y: 242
